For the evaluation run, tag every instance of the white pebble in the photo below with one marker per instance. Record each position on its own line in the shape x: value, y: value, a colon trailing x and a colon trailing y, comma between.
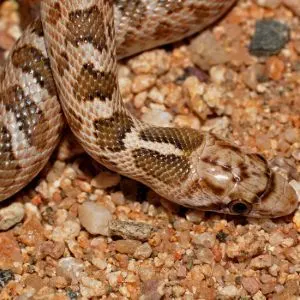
x: 228, y: 291
x: 70, y: 268
x: 67, y: 231
x: 11, y: 215
x: 91, y: 287
x: 94, y: 217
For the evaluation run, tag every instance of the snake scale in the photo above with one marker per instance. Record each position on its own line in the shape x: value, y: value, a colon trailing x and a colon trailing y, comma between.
x: 71, y: 54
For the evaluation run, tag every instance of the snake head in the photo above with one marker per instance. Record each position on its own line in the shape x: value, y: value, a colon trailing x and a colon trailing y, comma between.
x: 230, y: 181
x: 278, y: 199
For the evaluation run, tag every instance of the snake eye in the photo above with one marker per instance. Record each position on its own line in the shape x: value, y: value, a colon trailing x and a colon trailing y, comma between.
x: 239, y: 207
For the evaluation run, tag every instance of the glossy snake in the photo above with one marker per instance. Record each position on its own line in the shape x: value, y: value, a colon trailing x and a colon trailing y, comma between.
x: 194, y: 169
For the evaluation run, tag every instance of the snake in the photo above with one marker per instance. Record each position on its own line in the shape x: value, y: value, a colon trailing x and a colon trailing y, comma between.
x: 63, y: 69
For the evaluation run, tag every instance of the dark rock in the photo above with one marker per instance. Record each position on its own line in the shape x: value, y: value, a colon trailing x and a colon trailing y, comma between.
x: 5, y: 277
x: 269, y: 38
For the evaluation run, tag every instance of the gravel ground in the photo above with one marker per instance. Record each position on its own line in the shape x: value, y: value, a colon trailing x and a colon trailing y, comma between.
x: 80, y: 231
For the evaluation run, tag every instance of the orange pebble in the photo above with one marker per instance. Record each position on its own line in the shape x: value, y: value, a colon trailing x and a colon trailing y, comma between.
x: 274, y: 68
x: 36, y: 200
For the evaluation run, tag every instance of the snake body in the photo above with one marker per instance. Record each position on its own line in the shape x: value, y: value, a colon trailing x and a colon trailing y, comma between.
x: 71, y: 55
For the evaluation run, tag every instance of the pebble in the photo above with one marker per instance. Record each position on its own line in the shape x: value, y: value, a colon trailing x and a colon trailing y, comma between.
x: 126, y: 246
x: 5, y: 277
x: 131, y: 230
x: 157, y: 117
x: 213, y: 95
x: 292, y: 255
x: 206, y: 239
x: 53, y: 249
x: 269, y: 3
x: 149, y: 289
x: 181, y: 225
x: 293, y: 5
x: 155, y: 62
x: 194, y: 86
x: 296, y: 220
x: 91, y: 287
x: 10, y: 252
x: 94, y: 218
x: 218, y: 74
x: 206, y: 51
x: 259, y: 296
x: 113, y: 278
x: 99, y: 263
x: 70, y: 229
x: 245, y: 246
x: 251, y: 285
x: 195, y: 216
x: 262, y: 261
x: 58, y: 282
x: 276, y: 238
x: 205, y: 255
x: 83, y: 185
x: 35, y: 281
x: 274, y: 68
x: 187, y: 121
x: 125, y: 86
x: 118, y: 198
x: 143, y: 251
x: 11, y: 215
x: 32, y: 232
x: 269, y: 38
x: 292, y: 135
x: 204, y: 97
x: 156, y: 96
x: 253, y: 75
x: 229, y: 291
x: 105, y: 180
x: 220, y: 126
x: 142, y: 82
x: 70, y: 268
x: 139, y: 99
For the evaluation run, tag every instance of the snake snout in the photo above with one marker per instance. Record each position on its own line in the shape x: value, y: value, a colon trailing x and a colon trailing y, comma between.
x: 281, y: 200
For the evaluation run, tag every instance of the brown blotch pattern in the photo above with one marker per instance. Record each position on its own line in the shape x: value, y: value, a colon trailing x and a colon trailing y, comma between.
x: 170, y: 169
x: 54, y: 14
x: 171, y: 7
x: 208, y: 186
x: 29, y: 117
x: 135, y: 21
x: 62, y: 63
x: 31, y: 60
x: 243, y: 172
x: 7, y: 159
x: 201, y: 11
x: 131, y: 7
x: 111, y: 132
x: 93, y: 84
x: 87, y: 26
x: 257, y: 159
x: 163, y: 31
x: 226, y: 145
x: 185, y: 139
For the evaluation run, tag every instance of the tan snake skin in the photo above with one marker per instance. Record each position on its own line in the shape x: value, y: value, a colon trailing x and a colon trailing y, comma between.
x: 194, y: 169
